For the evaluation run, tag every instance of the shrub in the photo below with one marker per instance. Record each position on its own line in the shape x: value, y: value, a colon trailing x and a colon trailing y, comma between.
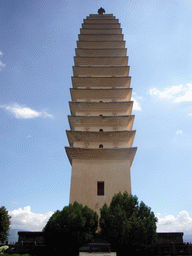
x: 4, y: 224
x: 127, y: 223
x: 71, y: 227
x: 16, y: 254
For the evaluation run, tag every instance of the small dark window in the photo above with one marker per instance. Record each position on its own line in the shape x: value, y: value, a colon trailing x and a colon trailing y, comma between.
x: 101, y: 146
x: 100, y: 115
x: 100, y: 188
x: 101, y: 130
x: 100, y: 101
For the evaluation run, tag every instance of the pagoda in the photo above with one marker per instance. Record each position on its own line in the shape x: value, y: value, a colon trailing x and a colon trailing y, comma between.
x: 101, y: 120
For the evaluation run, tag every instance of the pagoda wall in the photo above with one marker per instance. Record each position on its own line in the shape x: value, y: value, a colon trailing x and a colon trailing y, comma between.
x: 86, y: 174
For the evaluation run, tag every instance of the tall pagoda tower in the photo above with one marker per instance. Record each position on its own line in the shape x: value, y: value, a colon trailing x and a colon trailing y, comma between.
x: 100, y: 135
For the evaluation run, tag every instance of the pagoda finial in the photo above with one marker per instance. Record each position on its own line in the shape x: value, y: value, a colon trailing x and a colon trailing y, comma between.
x: 101, y: 11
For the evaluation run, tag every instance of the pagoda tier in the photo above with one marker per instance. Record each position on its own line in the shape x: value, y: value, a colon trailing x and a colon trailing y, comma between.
x: 107, y: 123
x: 101, y: 27
x: 89, y: 20
x: 107, y: 31
x: 100, y: 44
x: 101, y: 120
x: 110, y: 139
x: 101, y: 71
x: 102, y: 109
x: 107, y: 95
x: 100, y: 38
x: 101, y: 82
x: 98, y: 154
x: 101, y: 61
x: 101, y: 17
x: 118, y: 52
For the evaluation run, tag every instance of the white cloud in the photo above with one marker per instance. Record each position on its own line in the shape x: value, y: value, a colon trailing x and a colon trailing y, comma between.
x: 167, y: 92
x: 176, y: 93
x: 179, y: 132
x: 2, y: 65
x: 170, y: 223
x: 23, y: 112
x: 25, y: 219
x: 136, y: 105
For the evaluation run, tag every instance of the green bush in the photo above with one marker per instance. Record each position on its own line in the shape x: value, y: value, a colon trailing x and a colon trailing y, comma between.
x: 71, y: 227
x: 15, y: 254
x: 127, y: 223
x: 4, y: 224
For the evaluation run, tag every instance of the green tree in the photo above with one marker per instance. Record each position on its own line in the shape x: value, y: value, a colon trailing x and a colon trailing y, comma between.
x: 127, y: 223
x: 71, y: 227
x: 4, y: 224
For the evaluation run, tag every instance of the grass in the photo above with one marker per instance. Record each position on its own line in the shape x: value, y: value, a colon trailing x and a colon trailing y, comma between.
x: 16, y: 254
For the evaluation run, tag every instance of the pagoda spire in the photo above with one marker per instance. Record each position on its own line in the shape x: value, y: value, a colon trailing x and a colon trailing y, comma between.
x: 101, y: 11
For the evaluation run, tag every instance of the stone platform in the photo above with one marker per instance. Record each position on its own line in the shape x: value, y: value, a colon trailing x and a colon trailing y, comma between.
x: 97, y: 254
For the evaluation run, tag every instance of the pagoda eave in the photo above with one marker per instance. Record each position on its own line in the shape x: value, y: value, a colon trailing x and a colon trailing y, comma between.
x: 101, y: 26
x: 103, y: 17
x: 101, y: 52
x: 102, y: 107
x: 90, y: 31
x: 100, y: 37
x: 101, y: 61
x: 104, y: 153
x: 101, y: 121
x: 101, y: 71
x: 100, y: 44
x: 111, y: 82
x: 122, y: 94
x: 100, y: 21
x: 113, y: 136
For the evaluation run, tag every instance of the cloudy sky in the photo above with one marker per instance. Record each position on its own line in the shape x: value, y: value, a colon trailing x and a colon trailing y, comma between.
x: 38, y: 40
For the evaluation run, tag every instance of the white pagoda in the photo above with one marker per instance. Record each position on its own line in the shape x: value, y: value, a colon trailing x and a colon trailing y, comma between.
x: 100, y: 135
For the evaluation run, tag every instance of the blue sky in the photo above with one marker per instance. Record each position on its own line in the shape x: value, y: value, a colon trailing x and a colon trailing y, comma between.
x: 38, y: 41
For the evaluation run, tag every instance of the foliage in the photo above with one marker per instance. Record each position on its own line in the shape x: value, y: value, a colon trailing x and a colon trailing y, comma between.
x: 72, y: 227
x: 3, y: 248
x: 4, y: 224
x: 16, y: 254
x: 127, y: 223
